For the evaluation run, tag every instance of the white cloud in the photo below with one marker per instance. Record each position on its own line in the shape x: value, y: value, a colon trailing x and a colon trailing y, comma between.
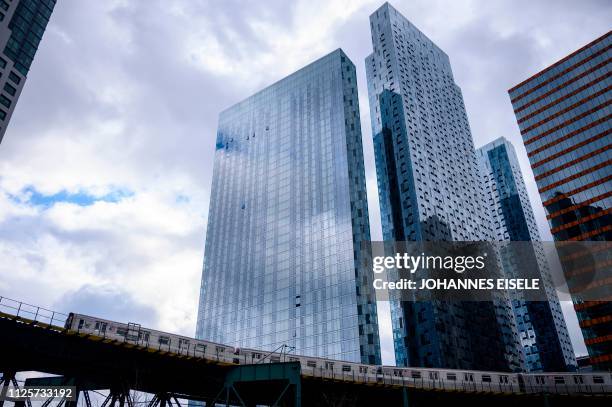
x: 282, y: 48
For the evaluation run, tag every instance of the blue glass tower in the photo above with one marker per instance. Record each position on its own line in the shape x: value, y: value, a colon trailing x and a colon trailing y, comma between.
x: 544, y: 337
x: 429, y: 190
x: 288, y: 216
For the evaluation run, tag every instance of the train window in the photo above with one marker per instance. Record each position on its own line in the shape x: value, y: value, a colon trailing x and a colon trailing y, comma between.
x: 200, y: 347
x: 433, y: 375
x: 311, y: 363
x: 346, y: 368
x: 183, y: 343
x: 164, y: 340
x: 451, y: 376
x: 578, y: 380
x: 142, y: 336
x: 539, y: 379
x: 292, y: 359
x: 486, y: 378
x: 598, y: 379
x: 468, y: 377
x: 415, y: 374
x: 274, y: 359
x: 257, y: 355
x: 503, y: 379
x: 559, y: 380
x: 81, y: 322
x: 220, y: 349
x: 121, y: 331
x: 329, y: 365
x: 397, y: 372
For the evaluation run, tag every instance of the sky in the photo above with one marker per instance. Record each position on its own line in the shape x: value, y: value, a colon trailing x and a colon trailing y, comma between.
x: 106, y: 166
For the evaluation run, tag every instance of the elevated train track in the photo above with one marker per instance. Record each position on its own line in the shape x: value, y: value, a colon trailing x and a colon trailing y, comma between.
x: 98, y: 354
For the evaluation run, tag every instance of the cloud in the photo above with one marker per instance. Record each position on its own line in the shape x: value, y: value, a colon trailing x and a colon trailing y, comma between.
x: 108, y: 302
x: 124, y: 96
x: 146, y: 246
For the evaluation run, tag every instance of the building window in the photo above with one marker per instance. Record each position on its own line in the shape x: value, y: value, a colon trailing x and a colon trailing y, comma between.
x: 2, y: 114
x: 2, y: 62
x: 10, y: 89
x: 5, y: 101
x: 15, y: 78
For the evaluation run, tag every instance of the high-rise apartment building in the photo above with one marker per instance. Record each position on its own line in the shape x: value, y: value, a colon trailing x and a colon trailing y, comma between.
x: 22, y: 24
x: 542, y: 329
x: 563, y: 113
x: 288, y: 216
x: 429, y: 189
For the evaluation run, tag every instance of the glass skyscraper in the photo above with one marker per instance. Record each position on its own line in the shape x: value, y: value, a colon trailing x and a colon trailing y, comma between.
x: 22, y: 24
x: 543, y: 333
x: 288, y: 216
x: 563, y: 113
x: 429, y: 189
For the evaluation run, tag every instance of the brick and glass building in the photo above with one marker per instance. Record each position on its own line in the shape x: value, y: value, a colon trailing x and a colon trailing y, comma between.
x: 22, y: 24
x: 563, y: 113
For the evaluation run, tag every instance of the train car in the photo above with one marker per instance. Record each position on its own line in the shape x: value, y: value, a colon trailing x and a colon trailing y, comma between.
x: 451, y: 379
x: 566, y: 383
x: 149, y: 338
x: 426, y: 378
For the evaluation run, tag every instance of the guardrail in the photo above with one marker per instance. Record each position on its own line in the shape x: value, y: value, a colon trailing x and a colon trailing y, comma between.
x: 32, y: 312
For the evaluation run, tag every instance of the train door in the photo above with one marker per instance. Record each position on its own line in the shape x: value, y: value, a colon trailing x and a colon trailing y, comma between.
x: 468, y: 380
x: 132, y: 332
x: 183, y: 346
x: 143, y: 338
x: 329, y: 367
x: 521, y: 383
x: 100, y: 328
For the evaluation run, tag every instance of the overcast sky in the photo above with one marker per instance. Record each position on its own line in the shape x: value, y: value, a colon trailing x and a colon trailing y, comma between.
x: 105, y: 169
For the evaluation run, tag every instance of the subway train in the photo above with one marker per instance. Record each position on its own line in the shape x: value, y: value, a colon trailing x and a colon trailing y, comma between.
x: 424, y: 378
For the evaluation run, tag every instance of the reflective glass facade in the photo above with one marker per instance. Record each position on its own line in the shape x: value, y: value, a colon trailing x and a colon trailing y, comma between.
x: 288, y: 215
x: 563, y: 113
x: 429, y: 189
x: 544, y: 336
x: 22, y: 24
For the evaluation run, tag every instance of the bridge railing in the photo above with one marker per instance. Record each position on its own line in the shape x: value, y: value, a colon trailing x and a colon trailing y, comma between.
x: 32, y: 312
